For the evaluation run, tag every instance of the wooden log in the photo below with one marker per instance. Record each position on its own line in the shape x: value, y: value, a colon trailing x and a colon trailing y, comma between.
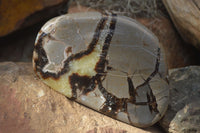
x: 185, y: 15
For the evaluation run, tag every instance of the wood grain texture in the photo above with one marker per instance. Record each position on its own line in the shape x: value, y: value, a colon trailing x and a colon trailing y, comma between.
x: 185, y: 15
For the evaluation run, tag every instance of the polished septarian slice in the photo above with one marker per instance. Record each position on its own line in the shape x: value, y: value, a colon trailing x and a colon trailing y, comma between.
x: 107, y: 62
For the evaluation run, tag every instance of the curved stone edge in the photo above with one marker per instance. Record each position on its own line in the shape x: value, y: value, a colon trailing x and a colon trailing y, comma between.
x: 30, y: 106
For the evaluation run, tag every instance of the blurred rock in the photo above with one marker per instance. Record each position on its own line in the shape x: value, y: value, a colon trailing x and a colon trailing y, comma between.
x: 185, y: 15
x: 183, y: 114
x: 29, y: 106
x: 75, y: 9
x: 130, y: 8
x: 18, y: 46
x: 16, y: 14
x: 177, y: 52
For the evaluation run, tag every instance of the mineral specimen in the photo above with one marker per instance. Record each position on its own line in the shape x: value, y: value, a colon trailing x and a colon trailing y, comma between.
x: 109, y: 63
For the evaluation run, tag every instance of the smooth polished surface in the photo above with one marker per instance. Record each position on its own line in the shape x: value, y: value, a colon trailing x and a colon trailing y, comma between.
x: 109, y: 63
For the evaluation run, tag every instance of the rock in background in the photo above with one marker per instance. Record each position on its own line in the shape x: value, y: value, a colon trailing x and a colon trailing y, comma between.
x: 17, y: 14
x: 183, y: 114
x: 185, y: 14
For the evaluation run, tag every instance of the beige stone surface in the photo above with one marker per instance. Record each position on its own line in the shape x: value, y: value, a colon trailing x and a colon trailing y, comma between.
x: 29, y: 106
x: 185, y: 15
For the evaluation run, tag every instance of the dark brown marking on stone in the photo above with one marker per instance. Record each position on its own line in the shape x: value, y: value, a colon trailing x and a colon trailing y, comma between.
x: 155, y: 70
x: 152, y: 102
x: 150, y: 97
x: 42, y: 57
x: 132, y: 92
x: 94, y: 41
x: 84, y: 83
x: 113, y: 105
x: 91, y: 87
x: 68, y: 51
x: 41, y: 60
x: 100, y: 66
x: 109, y: 68
x: 81, y: 82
